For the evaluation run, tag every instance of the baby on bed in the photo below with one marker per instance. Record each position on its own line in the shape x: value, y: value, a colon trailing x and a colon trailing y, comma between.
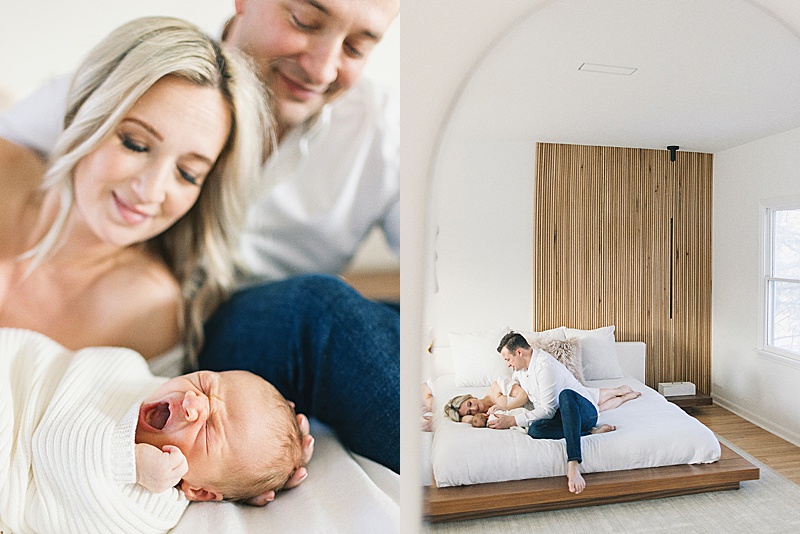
x: 78, y: 430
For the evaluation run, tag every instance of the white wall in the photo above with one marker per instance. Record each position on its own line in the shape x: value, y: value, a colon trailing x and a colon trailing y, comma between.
x: 43, y: 39
x: 441, y: 41
x: 759, y: 388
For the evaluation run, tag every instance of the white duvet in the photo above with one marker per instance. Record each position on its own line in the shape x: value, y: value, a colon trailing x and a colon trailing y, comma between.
x: 651, y: 432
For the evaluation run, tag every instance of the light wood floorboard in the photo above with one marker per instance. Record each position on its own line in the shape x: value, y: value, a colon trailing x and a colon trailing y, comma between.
x: 376, y: 285
x: 775, y: 452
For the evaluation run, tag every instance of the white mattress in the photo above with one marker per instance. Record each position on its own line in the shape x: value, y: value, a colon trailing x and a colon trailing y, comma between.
x: 651, y: 432
x: 344, y: 493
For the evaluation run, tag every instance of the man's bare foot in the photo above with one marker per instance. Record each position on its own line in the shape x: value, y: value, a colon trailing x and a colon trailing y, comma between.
x: 575, y: 481
x: 602, y: 429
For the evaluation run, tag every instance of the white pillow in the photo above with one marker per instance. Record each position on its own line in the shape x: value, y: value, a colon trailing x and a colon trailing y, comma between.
x: 475, y: 357
x: 535, y: 338
x: 598, y: 352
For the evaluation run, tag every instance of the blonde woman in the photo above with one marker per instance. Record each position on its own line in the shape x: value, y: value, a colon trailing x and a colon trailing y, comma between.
x: 128, y: 237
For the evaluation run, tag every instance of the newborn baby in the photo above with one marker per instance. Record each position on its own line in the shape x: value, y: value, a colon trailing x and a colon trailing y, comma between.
x: 480, y: 419
x: 224, y: 435
x: 79, y: 428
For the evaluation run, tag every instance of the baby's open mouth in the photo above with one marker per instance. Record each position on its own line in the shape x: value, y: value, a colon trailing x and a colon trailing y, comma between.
x: 156, y: 415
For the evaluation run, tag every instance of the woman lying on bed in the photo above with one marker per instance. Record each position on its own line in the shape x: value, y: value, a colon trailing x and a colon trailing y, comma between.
x: 126, y: 238
x: 503, y: 395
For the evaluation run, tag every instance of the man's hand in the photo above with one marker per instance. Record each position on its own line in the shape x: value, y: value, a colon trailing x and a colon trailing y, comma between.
x: 502, y: 422
x: 159, y: 470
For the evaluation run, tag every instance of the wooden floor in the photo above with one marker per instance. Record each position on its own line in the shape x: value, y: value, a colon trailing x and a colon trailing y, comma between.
x: 376, y: 285
x: 777, y: 453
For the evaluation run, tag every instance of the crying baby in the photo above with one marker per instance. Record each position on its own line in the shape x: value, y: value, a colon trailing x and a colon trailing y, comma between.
x: 90, y: 440
x: 228, y: 435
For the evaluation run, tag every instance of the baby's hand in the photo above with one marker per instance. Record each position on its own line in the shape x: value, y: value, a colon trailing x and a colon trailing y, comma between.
x: 301, y: 473
x: 492, y: 409
x: 159, y: 470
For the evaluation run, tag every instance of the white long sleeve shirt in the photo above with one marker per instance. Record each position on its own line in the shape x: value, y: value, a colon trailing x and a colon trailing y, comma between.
x: 328, y: 184
x: 544, y: 381
x: 67, y: 428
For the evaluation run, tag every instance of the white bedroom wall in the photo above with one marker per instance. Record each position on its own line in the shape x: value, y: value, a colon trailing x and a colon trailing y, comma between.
x: 484, y: 246
x: 43, y: 39
x: 438, y: 52
x: 761, y: 389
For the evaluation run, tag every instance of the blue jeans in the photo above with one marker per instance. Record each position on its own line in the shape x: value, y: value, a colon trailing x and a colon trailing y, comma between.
x: 323, y: 346
x: 575, y: 417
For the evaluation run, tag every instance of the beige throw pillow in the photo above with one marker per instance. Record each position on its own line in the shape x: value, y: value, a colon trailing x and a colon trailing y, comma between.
x: 566, y: 351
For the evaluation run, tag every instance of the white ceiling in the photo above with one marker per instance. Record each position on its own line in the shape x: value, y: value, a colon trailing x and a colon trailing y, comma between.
x: 711, y: 74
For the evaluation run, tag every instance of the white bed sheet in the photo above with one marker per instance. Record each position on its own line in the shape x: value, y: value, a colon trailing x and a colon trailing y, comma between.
x: 344, y: 493
x: 651, y: 432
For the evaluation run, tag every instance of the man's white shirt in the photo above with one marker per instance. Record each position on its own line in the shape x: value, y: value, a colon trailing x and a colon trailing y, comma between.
x: 543, y: 381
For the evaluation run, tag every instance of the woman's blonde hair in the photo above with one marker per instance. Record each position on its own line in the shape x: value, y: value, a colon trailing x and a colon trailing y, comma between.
x: 453, y: 405
x: 200, y: 248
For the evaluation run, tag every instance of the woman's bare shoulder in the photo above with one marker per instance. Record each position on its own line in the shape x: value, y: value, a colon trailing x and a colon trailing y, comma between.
x: 144, y: 299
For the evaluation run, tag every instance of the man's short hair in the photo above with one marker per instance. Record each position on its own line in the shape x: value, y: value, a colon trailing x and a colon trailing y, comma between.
x: 513, y: 341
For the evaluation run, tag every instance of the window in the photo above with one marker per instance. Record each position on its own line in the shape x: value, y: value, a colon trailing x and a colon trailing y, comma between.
x: 782, y: 281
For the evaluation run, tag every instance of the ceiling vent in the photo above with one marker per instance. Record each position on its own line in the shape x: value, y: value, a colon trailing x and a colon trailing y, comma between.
x: 607, y: 69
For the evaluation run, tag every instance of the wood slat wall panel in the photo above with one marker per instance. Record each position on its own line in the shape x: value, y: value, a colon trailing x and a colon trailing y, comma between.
x: 607, y: 222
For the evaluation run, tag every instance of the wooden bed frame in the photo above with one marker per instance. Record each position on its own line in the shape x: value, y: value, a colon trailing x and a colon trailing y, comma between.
x: 536, y: 495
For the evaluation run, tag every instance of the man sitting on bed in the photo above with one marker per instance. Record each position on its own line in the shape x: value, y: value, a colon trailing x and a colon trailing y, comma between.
x: 563, y: 407
x: 92, y: 441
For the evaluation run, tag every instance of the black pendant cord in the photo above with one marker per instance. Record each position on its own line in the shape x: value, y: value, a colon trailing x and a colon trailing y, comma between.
x: 671, y: 262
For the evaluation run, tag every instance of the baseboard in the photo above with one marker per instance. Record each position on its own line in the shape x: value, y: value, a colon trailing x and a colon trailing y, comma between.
x: 766, y: 424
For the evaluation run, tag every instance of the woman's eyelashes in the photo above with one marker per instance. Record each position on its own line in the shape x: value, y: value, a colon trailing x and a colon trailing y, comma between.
x: 140, y: 148
x: 192, y: 179
x: 132, y: 145
x: 353, y: 51
x: 297, y: 22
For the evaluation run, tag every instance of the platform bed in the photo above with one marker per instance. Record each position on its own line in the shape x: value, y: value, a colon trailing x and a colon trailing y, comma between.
x: 538, y: 495
x: 681, y: 457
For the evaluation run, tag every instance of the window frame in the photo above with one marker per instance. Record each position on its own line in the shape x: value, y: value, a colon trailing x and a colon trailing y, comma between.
x: 766, y: 278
